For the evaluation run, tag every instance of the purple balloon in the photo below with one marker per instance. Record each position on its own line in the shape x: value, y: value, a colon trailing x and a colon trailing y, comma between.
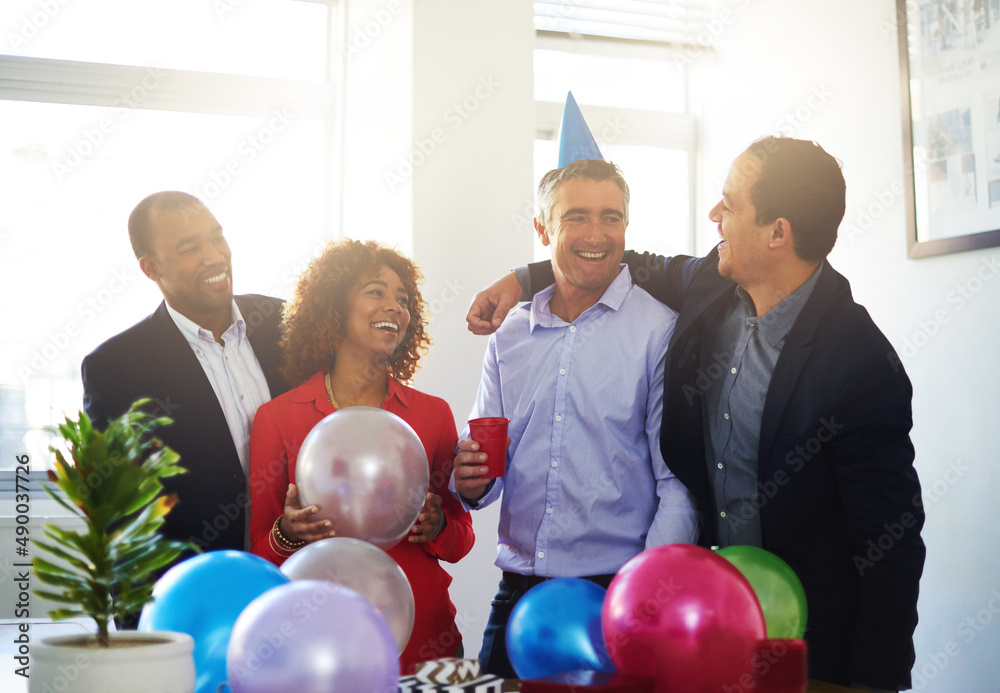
x: 367, y: 471
x: 364, y: 568
x: 312, y: 636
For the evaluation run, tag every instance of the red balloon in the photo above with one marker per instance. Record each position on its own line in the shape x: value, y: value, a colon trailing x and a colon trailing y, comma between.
x: 684, y: 616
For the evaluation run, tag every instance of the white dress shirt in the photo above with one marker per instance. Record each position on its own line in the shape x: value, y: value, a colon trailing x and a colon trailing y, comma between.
x: 234, y: 372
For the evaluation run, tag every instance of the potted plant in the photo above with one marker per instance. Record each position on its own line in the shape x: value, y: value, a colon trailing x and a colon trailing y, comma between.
x: 112, y: 482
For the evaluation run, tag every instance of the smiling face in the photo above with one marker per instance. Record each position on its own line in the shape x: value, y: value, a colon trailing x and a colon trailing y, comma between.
x: 742, y: 253
x: 377, y: 314
x: 586, y: 233
x: 191, y: 263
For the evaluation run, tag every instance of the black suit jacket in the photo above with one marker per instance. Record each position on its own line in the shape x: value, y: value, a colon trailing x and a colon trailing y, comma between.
x: 152, y: 359
x: 839, y: 499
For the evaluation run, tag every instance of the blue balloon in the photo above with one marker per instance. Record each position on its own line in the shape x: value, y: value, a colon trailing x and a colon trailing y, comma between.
x: 203, y: 596
x: 556, y: 627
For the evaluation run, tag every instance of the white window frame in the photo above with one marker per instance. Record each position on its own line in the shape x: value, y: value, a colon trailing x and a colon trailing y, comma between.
x: 639, y: 127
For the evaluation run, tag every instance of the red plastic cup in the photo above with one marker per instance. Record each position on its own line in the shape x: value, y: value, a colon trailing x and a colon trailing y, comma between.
x: 491, y: 434
x: 781, y: 665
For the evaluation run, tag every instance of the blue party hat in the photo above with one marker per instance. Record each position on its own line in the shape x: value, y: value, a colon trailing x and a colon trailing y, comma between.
x: 575, y: 139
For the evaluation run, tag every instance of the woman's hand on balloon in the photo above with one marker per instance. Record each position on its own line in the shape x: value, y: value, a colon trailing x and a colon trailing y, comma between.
x: 298, y: 525
x: 430, y: 521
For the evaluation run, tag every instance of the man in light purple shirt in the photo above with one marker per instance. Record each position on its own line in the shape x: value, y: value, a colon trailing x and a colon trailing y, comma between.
x: 579, y: 372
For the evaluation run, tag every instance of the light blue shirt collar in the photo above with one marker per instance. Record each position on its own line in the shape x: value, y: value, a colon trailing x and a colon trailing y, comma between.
x: 612, y: 298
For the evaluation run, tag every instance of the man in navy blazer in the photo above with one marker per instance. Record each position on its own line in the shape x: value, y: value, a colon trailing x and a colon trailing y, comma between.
x: 207, y: 359
x: 786, y: 411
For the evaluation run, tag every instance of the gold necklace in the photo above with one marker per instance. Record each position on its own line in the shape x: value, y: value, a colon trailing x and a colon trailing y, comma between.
x: 329, y: 390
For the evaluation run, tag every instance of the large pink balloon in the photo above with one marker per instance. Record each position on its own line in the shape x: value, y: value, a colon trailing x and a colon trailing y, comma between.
x: 364, y: 568
x: 367, y: 471
x: 684, y: 616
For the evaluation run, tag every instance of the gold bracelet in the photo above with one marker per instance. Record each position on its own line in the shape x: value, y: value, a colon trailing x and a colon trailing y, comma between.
x: 283, y: 541
x: 271, y: 541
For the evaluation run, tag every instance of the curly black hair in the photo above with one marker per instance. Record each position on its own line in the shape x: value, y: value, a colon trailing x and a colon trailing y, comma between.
x: 314, y: 320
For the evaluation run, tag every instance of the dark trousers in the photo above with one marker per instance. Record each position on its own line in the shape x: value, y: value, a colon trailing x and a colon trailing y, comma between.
x: 493, y: 656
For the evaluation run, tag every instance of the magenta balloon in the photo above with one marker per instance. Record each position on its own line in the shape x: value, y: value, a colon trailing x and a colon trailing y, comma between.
x: 684, y: 616
x: 364, y: 568
x: 311, y: 636
x: 367, y: 471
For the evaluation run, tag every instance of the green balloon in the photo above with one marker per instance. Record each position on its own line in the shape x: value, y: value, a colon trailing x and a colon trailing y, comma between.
x: 777, y: 588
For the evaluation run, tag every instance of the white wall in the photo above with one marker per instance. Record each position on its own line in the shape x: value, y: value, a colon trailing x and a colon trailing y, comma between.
x: 472, y: 77
x: 440, y: 155
x: 773, y: 56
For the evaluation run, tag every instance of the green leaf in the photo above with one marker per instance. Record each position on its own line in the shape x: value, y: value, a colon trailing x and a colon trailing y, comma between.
x: 54, y: 577
x: 112, y: 480
x: 62, y: 597
x: 84, y: 543
x: 152, y: 559
x: 72, y: 558
x: 144, y: 495
x: 135, y: 600
x: 59, y: 499
x: 143, y: 523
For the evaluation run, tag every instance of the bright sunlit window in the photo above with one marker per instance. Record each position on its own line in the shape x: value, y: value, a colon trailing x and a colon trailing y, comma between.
x: 264, y: 38
x: 634, y: 97
x: 106, y: 101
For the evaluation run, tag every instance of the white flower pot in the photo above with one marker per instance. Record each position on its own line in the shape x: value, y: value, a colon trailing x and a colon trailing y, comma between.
x: 158, y: 662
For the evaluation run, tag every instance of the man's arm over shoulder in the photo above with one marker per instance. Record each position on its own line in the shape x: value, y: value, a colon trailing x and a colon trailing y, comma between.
x: 666, y: 279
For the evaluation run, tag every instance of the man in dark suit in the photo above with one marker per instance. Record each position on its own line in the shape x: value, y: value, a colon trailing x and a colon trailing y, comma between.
x: 787, y: 412
x: 205, y: 358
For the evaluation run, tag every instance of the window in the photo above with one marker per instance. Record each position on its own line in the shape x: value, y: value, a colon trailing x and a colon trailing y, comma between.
x: 634, y: 97
x: 106, y: 101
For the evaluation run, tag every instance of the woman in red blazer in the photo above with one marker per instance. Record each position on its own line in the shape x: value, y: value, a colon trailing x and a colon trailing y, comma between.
x: 353, y: 334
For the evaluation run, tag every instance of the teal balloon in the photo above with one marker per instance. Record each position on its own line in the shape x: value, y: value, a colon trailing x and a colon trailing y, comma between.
x: 777, y: 587
x: 556, y: 627
x: 203, y: 596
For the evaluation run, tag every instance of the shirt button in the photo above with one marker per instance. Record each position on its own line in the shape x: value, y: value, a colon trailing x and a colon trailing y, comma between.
x: 726, y: 415
x: 572, y: 328
x: 562, y: 371
x: 732, y: 370
x: 720, y: 465
x: 541, y: 554
x: 723, y: 513
x: 554, y: 463
x: 548, y: 511
x: 558, y: 417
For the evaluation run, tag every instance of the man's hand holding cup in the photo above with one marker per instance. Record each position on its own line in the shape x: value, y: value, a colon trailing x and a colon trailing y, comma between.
x: 481, y: 458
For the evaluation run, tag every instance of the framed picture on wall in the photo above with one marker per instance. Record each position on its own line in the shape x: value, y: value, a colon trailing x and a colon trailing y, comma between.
x: 949, y: 54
